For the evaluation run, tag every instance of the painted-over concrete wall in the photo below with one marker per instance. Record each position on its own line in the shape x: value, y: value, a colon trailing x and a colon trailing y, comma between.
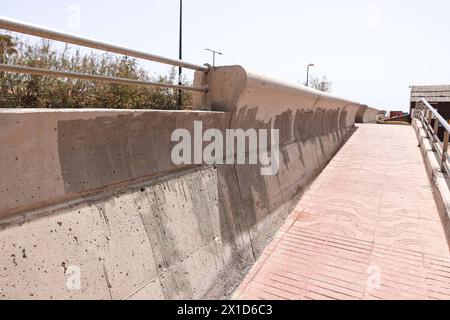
x: 96, y: 191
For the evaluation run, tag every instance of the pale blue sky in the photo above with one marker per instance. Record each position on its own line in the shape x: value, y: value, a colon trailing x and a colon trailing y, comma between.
x: 371, y: 50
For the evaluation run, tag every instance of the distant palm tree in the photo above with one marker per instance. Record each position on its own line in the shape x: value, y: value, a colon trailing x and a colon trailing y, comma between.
x: 7, y: 47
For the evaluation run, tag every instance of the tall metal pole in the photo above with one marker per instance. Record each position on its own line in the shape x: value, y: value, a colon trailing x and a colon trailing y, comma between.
x: 307, y: 73
x: 180, y: 71
x: 307, y: 76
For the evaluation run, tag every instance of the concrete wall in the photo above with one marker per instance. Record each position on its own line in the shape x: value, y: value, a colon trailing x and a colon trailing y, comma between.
x: 312, y: 124
x: 97, y: 190
x: 367, y: 115
x: 54, y: 156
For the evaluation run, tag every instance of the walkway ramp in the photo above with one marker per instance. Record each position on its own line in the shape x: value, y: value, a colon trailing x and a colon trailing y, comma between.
x: 368, y: 228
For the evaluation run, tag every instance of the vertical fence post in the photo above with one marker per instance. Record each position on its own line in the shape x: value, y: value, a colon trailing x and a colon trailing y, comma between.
x: 421, y: 115
x: 428, y: 130
x: 445, y: 149
x: 435, y: 133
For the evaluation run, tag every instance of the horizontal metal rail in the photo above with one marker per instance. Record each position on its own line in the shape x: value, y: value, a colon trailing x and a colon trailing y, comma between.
x: 441, y: 120
x: 26, y: 28
x: 83, y: 76
x: 425, y: 112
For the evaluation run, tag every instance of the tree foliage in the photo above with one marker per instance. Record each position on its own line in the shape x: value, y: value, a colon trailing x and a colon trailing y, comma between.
x: 320, y: 84
x: 25, y: 91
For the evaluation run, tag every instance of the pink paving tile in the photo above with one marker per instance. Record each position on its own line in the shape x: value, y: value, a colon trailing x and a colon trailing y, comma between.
x: 371, y: 213
x: 399, y: 239
x: 354, y: 229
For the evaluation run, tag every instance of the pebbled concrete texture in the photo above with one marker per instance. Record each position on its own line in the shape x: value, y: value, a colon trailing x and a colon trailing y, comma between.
x: 125, y: 244
x: 96, y: 189
x: 368, y: 228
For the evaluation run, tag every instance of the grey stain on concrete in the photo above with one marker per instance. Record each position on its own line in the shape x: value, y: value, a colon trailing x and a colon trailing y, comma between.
x: 104, y: 151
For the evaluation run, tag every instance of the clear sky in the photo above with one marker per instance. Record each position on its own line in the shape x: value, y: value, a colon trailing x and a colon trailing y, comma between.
x: 371, y: 50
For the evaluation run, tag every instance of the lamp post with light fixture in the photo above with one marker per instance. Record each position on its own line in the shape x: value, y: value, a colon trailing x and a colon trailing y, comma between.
x: 214, y: 55
x: 307, y: 73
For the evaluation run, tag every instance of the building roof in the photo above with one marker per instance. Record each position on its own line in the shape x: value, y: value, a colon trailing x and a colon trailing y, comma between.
x: 431, y: 93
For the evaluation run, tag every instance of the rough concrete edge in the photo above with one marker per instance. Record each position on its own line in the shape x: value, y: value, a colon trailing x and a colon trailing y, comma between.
x: 244, y: 77
x: 230, y: 82
x: 259, y: 80
x: 439, y: 181
x: 96, y: 195
x: 28, y: 212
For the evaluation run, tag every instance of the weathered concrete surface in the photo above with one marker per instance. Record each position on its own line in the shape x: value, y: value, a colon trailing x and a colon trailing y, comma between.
x: 158, y: 240
x: 367, y: 229
x: 54, y: 156
x: 98, y: 190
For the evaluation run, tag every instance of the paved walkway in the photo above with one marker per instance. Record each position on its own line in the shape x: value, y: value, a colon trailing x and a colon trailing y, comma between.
x: 367, y: 229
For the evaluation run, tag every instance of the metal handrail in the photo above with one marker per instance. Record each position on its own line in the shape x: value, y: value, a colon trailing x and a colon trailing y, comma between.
x: 432, y: 131
x: 26, y: 28
x: 441, y: 120
x: 33, y: 30
x: 91, y: 77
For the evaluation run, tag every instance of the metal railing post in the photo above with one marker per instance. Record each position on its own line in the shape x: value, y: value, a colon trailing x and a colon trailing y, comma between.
x: 445, y: 150
x: 435, y: 133
x: 429, y: 118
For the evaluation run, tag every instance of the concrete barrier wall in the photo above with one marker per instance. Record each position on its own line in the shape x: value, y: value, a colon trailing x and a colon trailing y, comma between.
x: 54, y: 156
x: 96, y: 192
x: 313, y: 125
x: 367, y: 115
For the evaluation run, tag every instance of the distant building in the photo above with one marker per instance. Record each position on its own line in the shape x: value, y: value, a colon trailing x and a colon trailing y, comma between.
x: 437, y: 96
x: 396, y: 114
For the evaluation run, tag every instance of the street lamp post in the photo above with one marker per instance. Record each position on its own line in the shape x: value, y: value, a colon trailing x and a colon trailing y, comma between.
x: 307, y: 73
x: 214, y: 55
x: 180, y: 70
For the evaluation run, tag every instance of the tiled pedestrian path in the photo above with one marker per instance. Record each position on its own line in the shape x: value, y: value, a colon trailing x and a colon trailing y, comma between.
x: 367, y: 229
